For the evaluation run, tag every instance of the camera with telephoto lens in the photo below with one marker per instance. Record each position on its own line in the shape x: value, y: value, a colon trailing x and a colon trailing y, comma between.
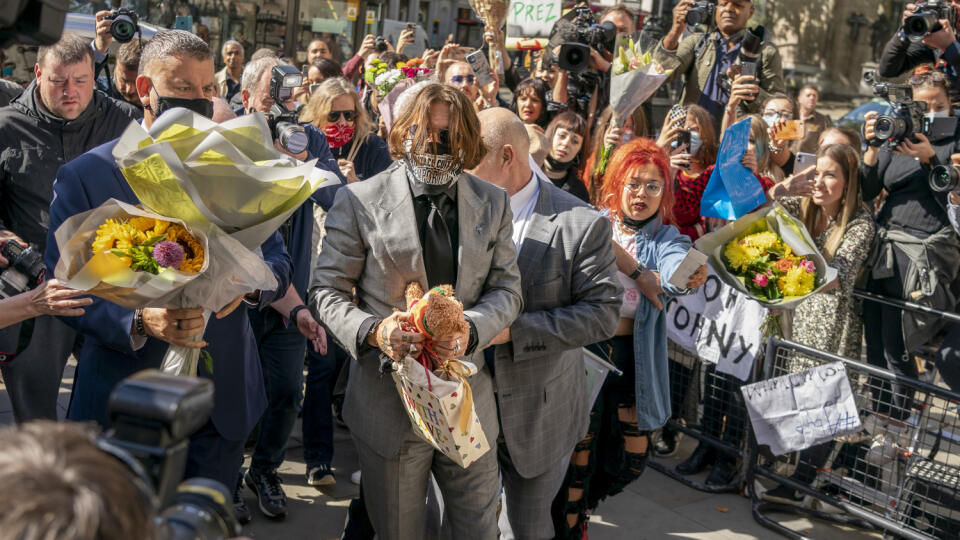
x: 926, y: 19
x: 284, y: 123
x: 152, y: 416
x: 906, y: 117
x: 702, y: 12
x: 945, y: 178
x: 126, y: 24
x: 25, y: 269
x: 586, y: 34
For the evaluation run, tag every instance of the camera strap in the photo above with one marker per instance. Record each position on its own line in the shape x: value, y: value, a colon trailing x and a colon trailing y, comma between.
x: 23, y: 340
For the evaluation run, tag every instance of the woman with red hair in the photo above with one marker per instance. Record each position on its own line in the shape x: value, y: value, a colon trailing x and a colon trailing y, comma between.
x: 637, y: 198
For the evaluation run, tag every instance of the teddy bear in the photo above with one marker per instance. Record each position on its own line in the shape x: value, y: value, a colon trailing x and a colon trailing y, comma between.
x: 436, y: 313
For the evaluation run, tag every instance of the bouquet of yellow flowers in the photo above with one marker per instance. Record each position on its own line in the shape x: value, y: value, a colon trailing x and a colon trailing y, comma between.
x: 769, y: 256
x: 149, y: 245
x: 767, y: 266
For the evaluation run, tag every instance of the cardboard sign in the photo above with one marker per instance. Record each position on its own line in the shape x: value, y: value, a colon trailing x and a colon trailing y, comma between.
x: 803, y: 409
x: 719, y: 325
x: 533, y: 18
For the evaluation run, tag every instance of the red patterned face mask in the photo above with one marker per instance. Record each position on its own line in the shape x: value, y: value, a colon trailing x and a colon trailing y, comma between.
x: 338, y: 134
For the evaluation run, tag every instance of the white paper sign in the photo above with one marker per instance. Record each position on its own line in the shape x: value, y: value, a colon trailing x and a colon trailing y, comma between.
x: 535, y: 18
x: 719, y: 325
x: 392, y: 30
x: 803, y: 409
x: 688, y: 266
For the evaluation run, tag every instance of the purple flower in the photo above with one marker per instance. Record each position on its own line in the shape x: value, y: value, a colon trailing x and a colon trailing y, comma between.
x: 761, y: 280
x: 809, y: 266
x: 168, y: 254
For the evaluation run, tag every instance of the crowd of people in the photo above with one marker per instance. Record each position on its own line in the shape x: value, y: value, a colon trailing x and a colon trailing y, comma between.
x: 559, y: 224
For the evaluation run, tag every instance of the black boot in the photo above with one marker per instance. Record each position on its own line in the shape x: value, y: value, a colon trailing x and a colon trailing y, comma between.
x: 701, y: 458
x: 723, y: 472
x: 667, y: 443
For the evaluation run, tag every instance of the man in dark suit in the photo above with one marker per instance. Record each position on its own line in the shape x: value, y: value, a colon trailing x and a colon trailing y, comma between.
x: 176, y: 70
x: 571, y: 298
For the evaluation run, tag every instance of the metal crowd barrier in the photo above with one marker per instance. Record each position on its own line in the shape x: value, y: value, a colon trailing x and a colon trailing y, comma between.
x: 900, y: 475
x: 708, y: 407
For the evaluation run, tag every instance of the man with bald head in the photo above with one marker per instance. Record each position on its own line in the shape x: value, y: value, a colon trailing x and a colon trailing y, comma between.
x: 571, y: 298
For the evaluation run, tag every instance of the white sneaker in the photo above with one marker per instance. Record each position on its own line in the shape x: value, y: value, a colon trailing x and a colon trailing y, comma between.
x: 355, y: 477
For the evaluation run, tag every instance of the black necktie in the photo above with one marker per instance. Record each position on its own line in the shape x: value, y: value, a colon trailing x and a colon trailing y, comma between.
x: 438, y: 259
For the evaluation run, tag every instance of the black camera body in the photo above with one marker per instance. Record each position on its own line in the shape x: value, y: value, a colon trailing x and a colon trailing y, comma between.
x: 945, y: 178
x: 25, y: 270
x: 702, y: 12
x: 153, y: 415
x: 380, y: 44
x: 284, y: 123
x: 126, y: 23
x: 587, y: 33
x: 905, y: 120
x: 926, y: 18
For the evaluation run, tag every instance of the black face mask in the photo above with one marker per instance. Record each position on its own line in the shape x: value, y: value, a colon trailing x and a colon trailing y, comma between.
x: 201, y: 106
x: 557, y: 166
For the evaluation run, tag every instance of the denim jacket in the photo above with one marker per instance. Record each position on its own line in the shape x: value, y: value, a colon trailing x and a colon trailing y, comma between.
x: 660, y: 248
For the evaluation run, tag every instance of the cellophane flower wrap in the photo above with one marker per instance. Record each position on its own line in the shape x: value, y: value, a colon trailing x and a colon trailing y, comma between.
x: 769, y: 256
x: 384, y: 78
x: 224, y: 183
x: 636, y: 76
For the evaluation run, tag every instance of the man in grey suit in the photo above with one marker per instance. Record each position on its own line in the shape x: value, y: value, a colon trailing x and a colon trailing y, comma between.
x: 571, y: 298
x: 421, y: 220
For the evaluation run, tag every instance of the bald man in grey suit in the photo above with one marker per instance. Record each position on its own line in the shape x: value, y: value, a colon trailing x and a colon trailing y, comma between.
x: 372, y: 247
x: 571, y: 298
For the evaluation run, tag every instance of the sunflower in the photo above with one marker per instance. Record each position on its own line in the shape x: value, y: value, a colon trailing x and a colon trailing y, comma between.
x: 150, y: 226
x: 192, y: 249
x: 796, y: 282
x: 117, y: 234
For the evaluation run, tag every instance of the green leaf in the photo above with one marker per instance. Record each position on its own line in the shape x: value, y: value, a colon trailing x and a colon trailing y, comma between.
x: 207, y: 360
x: 154, y: 240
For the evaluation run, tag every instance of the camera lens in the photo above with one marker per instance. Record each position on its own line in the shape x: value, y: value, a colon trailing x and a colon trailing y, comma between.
x: 694, y: 17
x: 292, y: 137
x: 887, y: 127
x: 918, y: 26
x: 944, y: 178
x: 123, y: 28
x: 201, y: 508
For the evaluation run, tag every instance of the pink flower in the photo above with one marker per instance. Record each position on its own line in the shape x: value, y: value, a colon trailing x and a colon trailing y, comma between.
x: 168, y: 254
x: 809, y: 266
x: 761, y: 280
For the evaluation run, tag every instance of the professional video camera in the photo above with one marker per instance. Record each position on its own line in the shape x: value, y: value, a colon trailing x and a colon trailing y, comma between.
x: 702, y: 12
x: 586, y: 34
x: 926, y: 18
x: 126, y: 23
x: 945, y: 178
x: 153, y: 415
x: 284, y: 123
x: 906, y: 118
x: 25, y: 271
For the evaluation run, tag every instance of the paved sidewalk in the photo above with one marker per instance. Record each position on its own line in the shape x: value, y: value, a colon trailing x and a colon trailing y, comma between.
x: 653, y: 507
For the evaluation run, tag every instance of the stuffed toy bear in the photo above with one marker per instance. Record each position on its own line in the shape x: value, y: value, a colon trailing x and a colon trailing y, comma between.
x: 436, y: 313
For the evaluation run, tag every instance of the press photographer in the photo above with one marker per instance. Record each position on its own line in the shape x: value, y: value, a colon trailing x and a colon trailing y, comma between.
x: 705, y: 59
x: 120, y: 25
x: 584, y: 48
x: 927, y: 35
x: 62, y: 480
x: 918, y: 254
x: 267, y: 86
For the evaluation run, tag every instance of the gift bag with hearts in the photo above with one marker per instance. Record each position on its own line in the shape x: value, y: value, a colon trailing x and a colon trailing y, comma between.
x: 440, y: 405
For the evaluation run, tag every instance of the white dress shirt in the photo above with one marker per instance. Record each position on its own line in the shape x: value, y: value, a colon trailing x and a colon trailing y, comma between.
x: 522, y: 203
x: 953, y: 212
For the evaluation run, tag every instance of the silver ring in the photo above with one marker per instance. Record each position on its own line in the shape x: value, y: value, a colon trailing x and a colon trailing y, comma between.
x: 413, y: 348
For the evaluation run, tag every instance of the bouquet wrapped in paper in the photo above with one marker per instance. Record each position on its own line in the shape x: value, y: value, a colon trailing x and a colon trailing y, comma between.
x: 636, y: 76
x: 221, y: 189
x: 769, y: 256
x: 385, y: 78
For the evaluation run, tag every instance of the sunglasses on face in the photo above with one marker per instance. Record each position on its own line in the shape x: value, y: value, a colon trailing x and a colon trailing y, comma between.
x: 460, y: 79
x: 441, y: 137
x: 348, y: 116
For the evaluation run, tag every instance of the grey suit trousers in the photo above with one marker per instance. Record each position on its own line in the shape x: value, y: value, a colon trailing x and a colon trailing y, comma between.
x: 395, y: 491
x: 529, y: 499
x: 33, y: 378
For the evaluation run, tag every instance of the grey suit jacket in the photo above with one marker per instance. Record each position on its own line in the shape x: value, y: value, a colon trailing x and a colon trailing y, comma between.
x: 571, y: 298
x: 372, y: 245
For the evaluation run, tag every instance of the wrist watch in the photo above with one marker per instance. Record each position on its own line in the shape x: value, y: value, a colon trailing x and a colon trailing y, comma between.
x: 637, y: 271
x: 293, y: 313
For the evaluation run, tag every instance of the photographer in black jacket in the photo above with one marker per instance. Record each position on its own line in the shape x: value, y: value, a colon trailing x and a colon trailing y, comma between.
x: 57, y: 118
x: 940, y: 48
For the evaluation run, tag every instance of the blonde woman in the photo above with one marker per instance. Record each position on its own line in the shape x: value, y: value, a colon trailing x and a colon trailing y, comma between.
x: 336, y: 111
